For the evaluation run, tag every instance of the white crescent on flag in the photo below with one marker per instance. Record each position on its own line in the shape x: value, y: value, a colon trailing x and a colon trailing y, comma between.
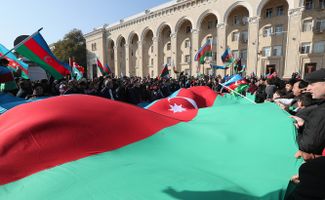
x: 191, y: 101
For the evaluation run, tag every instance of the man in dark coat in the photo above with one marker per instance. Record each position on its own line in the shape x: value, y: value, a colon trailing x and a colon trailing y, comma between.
x: 311, y: 141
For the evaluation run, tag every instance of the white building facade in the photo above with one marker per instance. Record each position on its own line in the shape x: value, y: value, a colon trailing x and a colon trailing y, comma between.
x: 268, y: 35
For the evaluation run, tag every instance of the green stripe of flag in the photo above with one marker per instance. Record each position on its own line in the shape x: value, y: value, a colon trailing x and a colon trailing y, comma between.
x: 28, y: 53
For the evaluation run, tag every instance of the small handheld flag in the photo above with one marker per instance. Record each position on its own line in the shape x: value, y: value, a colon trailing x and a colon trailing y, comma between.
x: 204, y: 51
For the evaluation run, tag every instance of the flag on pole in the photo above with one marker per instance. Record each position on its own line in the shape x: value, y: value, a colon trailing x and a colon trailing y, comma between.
x: 204, y: 51
x: 36, y: 49
x: 103, y: 70
x: 238, y: 67
x: 164, y: 72
x: 76, y: 69
x: 108, y: 69
x: 14, y: 63
x: 218, y: 67
x: 233, y: 79
x: 227, y: 57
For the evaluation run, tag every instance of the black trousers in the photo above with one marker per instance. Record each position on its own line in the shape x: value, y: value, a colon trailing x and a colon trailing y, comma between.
x: 312, y: 181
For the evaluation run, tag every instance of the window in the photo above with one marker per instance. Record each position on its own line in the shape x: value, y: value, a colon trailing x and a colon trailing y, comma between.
x: 210, y: 24
x: 244, y: 36
x: 187, y: 44
x: 243, y: 54
x: 235, y: 36
x: 187, y: 59
x: 267, y: 31
x: 322, y: 4
x: 236, y: 20
x: 309, y: 4
x: 268, y: 13
x: 235, y: 53
x: 277, y: 51
x: 320, y: 26
x: 278, y: 29
x: 169, y: 61
x: 93, y: 47
x: 151, y: 62
x: 305, y: 48
x: 151, y: 49
x: 188, y: 29
x: 307, y: 26
x: 279, y: 11
x: 169, y: 46
x: 245, y: 20
x: 267, y: 51
x: 319, y: 47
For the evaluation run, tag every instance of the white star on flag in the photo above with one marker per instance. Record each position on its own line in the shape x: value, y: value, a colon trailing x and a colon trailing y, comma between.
x: 177, y: 108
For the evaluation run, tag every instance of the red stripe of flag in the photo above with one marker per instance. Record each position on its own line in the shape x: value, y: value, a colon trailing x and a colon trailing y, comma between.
x: 203, y: 51
x: 40, y: 52
x: 100, y: 65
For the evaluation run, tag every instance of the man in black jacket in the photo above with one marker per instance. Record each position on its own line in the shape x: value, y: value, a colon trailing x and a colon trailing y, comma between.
x: 311, y: 136
x: 311, y: 141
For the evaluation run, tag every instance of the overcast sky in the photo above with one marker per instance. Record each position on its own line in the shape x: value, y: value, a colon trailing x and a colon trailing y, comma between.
x: 58, y: 17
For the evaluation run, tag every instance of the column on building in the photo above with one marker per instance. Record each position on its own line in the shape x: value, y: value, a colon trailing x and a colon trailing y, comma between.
x: 164, y: 50
x: 183, y: 50
x: 140, y: 59
x: 127, y: 60
x: 148, y: 52
x: 292, y: 63
x: 121, y: 56
x: 253, y: 41
x: 133, y: 54
x: 222, y: 44
x: 173, y: 39
x: 195, y: 46
x: 111, y: 54
x: 155, y: 66
x: 116, y: 69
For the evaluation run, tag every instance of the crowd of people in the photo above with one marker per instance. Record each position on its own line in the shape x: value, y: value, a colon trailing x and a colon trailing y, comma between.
x: 303, y: 99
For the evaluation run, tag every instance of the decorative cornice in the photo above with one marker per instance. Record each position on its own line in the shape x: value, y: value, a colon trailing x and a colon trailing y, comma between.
x: 173, y: 35
x: 254, y: 20
x: 148, y: 14
x: 195, y: 31
x: 221, y: 25
x: 296, y: 11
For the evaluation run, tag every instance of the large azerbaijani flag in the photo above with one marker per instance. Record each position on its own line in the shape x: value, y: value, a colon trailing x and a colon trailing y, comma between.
x: 14, y: 63
x: 192, y: 145
x: 36, y: 49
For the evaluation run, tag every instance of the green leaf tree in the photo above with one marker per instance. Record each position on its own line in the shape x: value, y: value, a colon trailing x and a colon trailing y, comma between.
x: 73, y: 45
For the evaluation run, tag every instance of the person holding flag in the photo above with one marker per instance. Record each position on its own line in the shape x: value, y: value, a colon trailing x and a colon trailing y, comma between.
x: 15, y: 64
x: 164, y: 72
x: 7, y: 81
x: 103, y: 69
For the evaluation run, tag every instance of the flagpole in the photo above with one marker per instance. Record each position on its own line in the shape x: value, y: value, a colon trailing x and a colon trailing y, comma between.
x: 21, y: 43
x: 237, y: 93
